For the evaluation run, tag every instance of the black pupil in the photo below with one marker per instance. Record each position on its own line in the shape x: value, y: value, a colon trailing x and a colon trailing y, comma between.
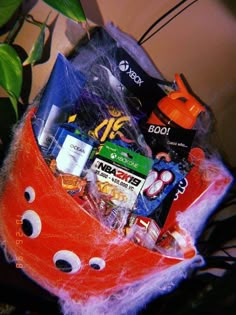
x: 27, y: 227
x: 63, y: 265
x: 95, y: 266
x: 27, y: 195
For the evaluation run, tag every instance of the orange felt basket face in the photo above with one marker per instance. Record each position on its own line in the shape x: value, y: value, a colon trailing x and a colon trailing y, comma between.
x: 64, y: 248
x: 58, y: 240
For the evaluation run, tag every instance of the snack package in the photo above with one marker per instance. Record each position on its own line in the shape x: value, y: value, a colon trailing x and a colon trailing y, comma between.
x: 106, y: 121
x: 198, y: 190
x: 163, y: 177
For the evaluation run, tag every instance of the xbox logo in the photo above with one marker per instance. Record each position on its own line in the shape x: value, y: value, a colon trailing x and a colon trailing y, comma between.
x: 123, y: 65
x: 113, y: 155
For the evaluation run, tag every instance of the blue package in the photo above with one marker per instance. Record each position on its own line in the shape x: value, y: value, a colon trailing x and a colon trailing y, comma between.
x: 162, y: 178
x: 57, y: 101
x: 106, y: 121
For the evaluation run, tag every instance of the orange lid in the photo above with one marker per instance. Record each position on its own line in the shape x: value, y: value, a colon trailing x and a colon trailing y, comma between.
x: 180, y: 106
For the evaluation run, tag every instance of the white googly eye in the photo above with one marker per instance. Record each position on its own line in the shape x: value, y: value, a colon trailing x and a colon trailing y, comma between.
x: 29, y: 194
x: 31, y: 224
x: 97, y: 263
x: 67, y: 261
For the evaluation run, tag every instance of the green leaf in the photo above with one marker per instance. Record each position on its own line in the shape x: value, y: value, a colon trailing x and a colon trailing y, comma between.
x: 37, y: 49
x: 72, y: 9
x: 11, y: 74
x: 8, y: 8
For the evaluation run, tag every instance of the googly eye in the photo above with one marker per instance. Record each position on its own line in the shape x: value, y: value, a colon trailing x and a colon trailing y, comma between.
x: 29, y: 194
x: 67, y: 261
x: 31, y: 224
x: 97, y: 263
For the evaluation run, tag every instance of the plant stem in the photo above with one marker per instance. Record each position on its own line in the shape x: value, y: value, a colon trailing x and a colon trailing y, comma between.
x: 15, y: 30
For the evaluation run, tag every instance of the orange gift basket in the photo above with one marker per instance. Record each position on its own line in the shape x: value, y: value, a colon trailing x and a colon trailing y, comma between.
x: 60, y: 241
